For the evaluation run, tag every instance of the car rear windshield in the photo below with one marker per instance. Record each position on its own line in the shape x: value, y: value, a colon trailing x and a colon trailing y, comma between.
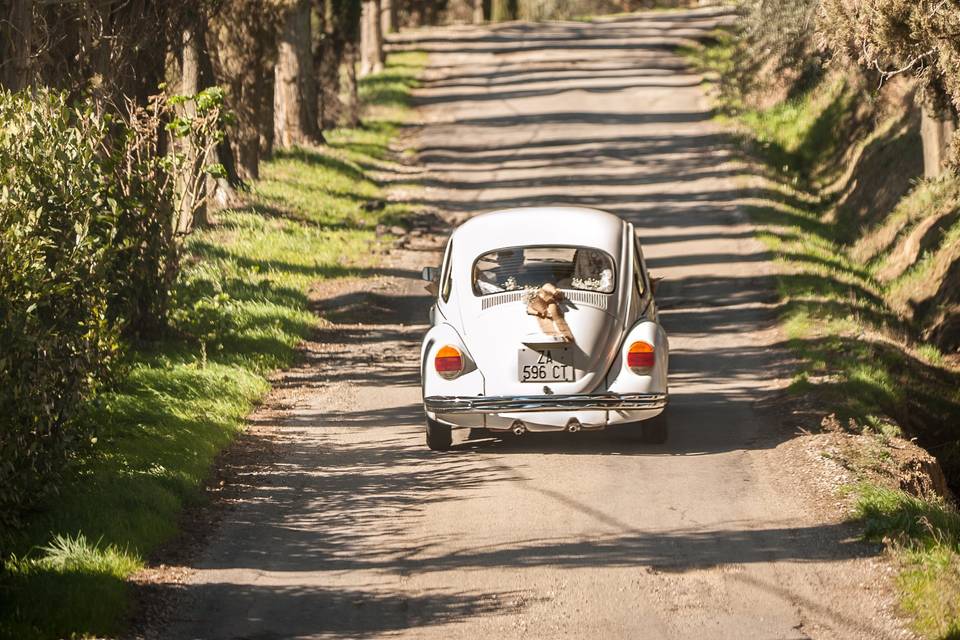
x: 516, y: 268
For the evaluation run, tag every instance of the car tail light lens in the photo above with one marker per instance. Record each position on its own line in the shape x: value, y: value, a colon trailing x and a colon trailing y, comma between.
x: 640, y: 357
x: 448, y: 362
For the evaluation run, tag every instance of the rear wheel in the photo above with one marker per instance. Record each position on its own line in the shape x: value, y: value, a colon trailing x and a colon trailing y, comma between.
x: 439, y: 437
x: 654, y: 430
x: 478, y: 433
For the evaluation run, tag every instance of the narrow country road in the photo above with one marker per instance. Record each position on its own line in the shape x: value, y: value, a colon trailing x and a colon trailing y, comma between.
x: 356, y: 530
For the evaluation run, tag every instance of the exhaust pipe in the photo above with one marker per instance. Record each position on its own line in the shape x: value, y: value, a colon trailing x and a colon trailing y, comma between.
x: 573, y: 427
x: 518, y: 428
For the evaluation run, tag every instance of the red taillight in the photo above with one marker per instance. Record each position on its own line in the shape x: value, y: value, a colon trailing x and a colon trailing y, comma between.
x: 448, y: 362
x: 640, y: 357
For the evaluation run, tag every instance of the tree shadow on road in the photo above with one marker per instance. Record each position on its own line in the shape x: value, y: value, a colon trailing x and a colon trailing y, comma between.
x: 268, y: 612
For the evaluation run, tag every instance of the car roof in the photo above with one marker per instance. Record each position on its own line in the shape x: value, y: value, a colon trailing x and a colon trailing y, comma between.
x: 574, y: 226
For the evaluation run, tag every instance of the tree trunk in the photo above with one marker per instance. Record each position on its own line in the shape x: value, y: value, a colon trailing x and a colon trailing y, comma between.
x: 265, y: 119
x: 243, y: 50
x: 936, y: 131
x: 503, y: 10
x: 225, y: 192
x: 15, y: 43
x: 330, y: 58
x: 193, y: 207
x: 477, y: 11
x: 388, y: 17
x: 353, y: 98
x: 295, y: 89
x: 319, y: 51
x: 371, y: 39
x: 221, y: 191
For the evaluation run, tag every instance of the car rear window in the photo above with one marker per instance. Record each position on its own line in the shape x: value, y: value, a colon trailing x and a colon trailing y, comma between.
x: 516, y: 268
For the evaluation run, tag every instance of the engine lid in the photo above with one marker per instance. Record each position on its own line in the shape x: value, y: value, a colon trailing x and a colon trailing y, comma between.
x: 497, y: 334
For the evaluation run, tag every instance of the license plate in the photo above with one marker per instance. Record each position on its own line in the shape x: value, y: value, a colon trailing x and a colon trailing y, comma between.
x: 546, y: 365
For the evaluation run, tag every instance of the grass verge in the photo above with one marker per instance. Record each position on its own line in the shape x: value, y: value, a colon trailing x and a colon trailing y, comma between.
x: 860, y: 355
x: 925, y: 537
x: 241, y: 309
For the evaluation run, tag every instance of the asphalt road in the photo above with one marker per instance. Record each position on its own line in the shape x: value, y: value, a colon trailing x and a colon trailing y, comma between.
x: 355, y: 530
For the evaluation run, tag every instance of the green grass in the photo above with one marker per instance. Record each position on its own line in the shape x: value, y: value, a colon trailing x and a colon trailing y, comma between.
x: 926, y: 535
x: 859, y: 355
x: 241, y: 308
x: 801, y: 136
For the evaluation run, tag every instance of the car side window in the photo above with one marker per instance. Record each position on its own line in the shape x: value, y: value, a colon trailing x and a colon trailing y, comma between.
x: 639, y: 277
x: 446, y: 279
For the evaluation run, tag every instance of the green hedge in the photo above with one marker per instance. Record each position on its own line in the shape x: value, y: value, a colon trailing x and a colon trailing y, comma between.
x: 88, y: 252
x: 57, y: 224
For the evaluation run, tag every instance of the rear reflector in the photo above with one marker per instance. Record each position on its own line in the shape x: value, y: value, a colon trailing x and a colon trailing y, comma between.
x: 640, y: 356
x: 448, y: 362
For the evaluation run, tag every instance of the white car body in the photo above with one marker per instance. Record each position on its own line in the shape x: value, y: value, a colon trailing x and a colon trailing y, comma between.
x: 490, y: 329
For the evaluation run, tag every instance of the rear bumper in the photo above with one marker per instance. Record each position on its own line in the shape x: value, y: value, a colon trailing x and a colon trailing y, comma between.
x: 519, y: 404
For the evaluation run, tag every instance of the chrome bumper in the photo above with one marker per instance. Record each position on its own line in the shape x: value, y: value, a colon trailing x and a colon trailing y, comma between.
x: 514, y: 404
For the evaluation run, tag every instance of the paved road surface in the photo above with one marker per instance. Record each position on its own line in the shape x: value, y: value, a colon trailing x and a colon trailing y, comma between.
x: 356, y: 530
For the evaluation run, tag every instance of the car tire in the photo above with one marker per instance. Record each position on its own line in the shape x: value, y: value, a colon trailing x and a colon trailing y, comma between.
x: 654, y: 430
x: 439, y: 436
x: 478, y: 433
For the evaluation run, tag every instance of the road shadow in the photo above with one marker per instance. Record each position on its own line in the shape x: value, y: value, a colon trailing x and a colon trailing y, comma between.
x: 334, y: 613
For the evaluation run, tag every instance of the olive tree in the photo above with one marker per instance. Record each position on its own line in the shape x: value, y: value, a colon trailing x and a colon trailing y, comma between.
x: 917, y: 37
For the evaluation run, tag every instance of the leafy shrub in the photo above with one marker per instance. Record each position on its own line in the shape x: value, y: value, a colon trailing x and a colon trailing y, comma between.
x: 776, y: 49
x: 92, y: 211
x: 158, y: 194
x: 206, y: 319
x: 57, y: 226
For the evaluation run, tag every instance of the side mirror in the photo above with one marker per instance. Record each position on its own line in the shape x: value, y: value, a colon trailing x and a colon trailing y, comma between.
x: 655, y: 283
x: 432, y: 277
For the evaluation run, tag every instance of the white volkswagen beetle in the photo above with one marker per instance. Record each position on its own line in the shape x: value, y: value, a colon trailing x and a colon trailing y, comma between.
x: 544, y: 320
